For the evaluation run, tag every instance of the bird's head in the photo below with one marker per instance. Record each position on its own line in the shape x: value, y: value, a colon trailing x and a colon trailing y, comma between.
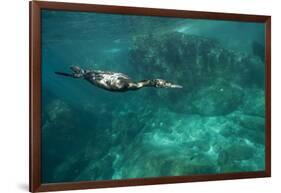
x: 77, y: 71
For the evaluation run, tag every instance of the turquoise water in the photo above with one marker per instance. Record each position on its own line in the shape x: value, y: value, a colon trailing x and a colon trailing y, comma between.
x: 214, y: 124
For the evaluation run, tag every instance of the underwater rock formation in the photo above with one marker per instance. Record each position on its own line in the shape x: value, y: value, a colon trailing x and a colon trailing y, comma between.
x: 56, y: 124
x: 258, y: 50
x: 218, y: 99
x: 58, y: 110
x: 254, y: 102
x: 67, y: 129
x: 173, y: 144
x: 202, y: 65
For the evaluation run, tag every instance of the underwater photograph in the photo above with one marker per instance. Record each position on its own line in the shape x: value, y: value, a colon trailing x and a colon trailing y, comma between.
x: 131, y: 96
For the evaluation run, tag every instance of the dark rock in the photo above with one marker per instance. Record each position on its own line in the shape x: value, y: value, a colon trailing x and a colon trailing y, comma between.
x: 254, y: 123
x: 258, y: 50
x: 201, y: 65
x: 234, y: 153
x: 248, y: 126
x: 218, y: 99
x: 254, y: 102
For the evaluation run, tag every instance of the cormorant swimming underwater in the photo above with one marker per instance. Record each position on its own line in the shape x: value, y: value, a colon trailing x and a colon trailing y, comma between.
x: 114, y: 81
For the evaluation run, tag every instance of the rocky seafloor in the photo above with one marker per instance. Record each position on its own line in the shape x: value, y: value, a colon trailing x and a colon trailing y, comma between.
x: 215, y: 124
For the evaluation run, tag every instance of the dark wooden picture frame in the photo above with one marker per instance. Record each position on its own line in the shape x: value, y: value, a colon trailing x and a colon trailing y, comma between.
x: 35, y: 94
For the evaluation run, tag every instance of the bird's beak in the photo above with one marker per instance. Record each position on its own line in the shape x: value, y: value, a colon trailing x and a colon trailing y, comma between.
x: 176, y: 86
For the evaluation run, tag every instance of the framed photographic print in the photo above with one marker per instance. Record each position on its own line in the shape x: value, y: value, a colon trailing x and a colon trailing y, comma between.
x: 123, y: 96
